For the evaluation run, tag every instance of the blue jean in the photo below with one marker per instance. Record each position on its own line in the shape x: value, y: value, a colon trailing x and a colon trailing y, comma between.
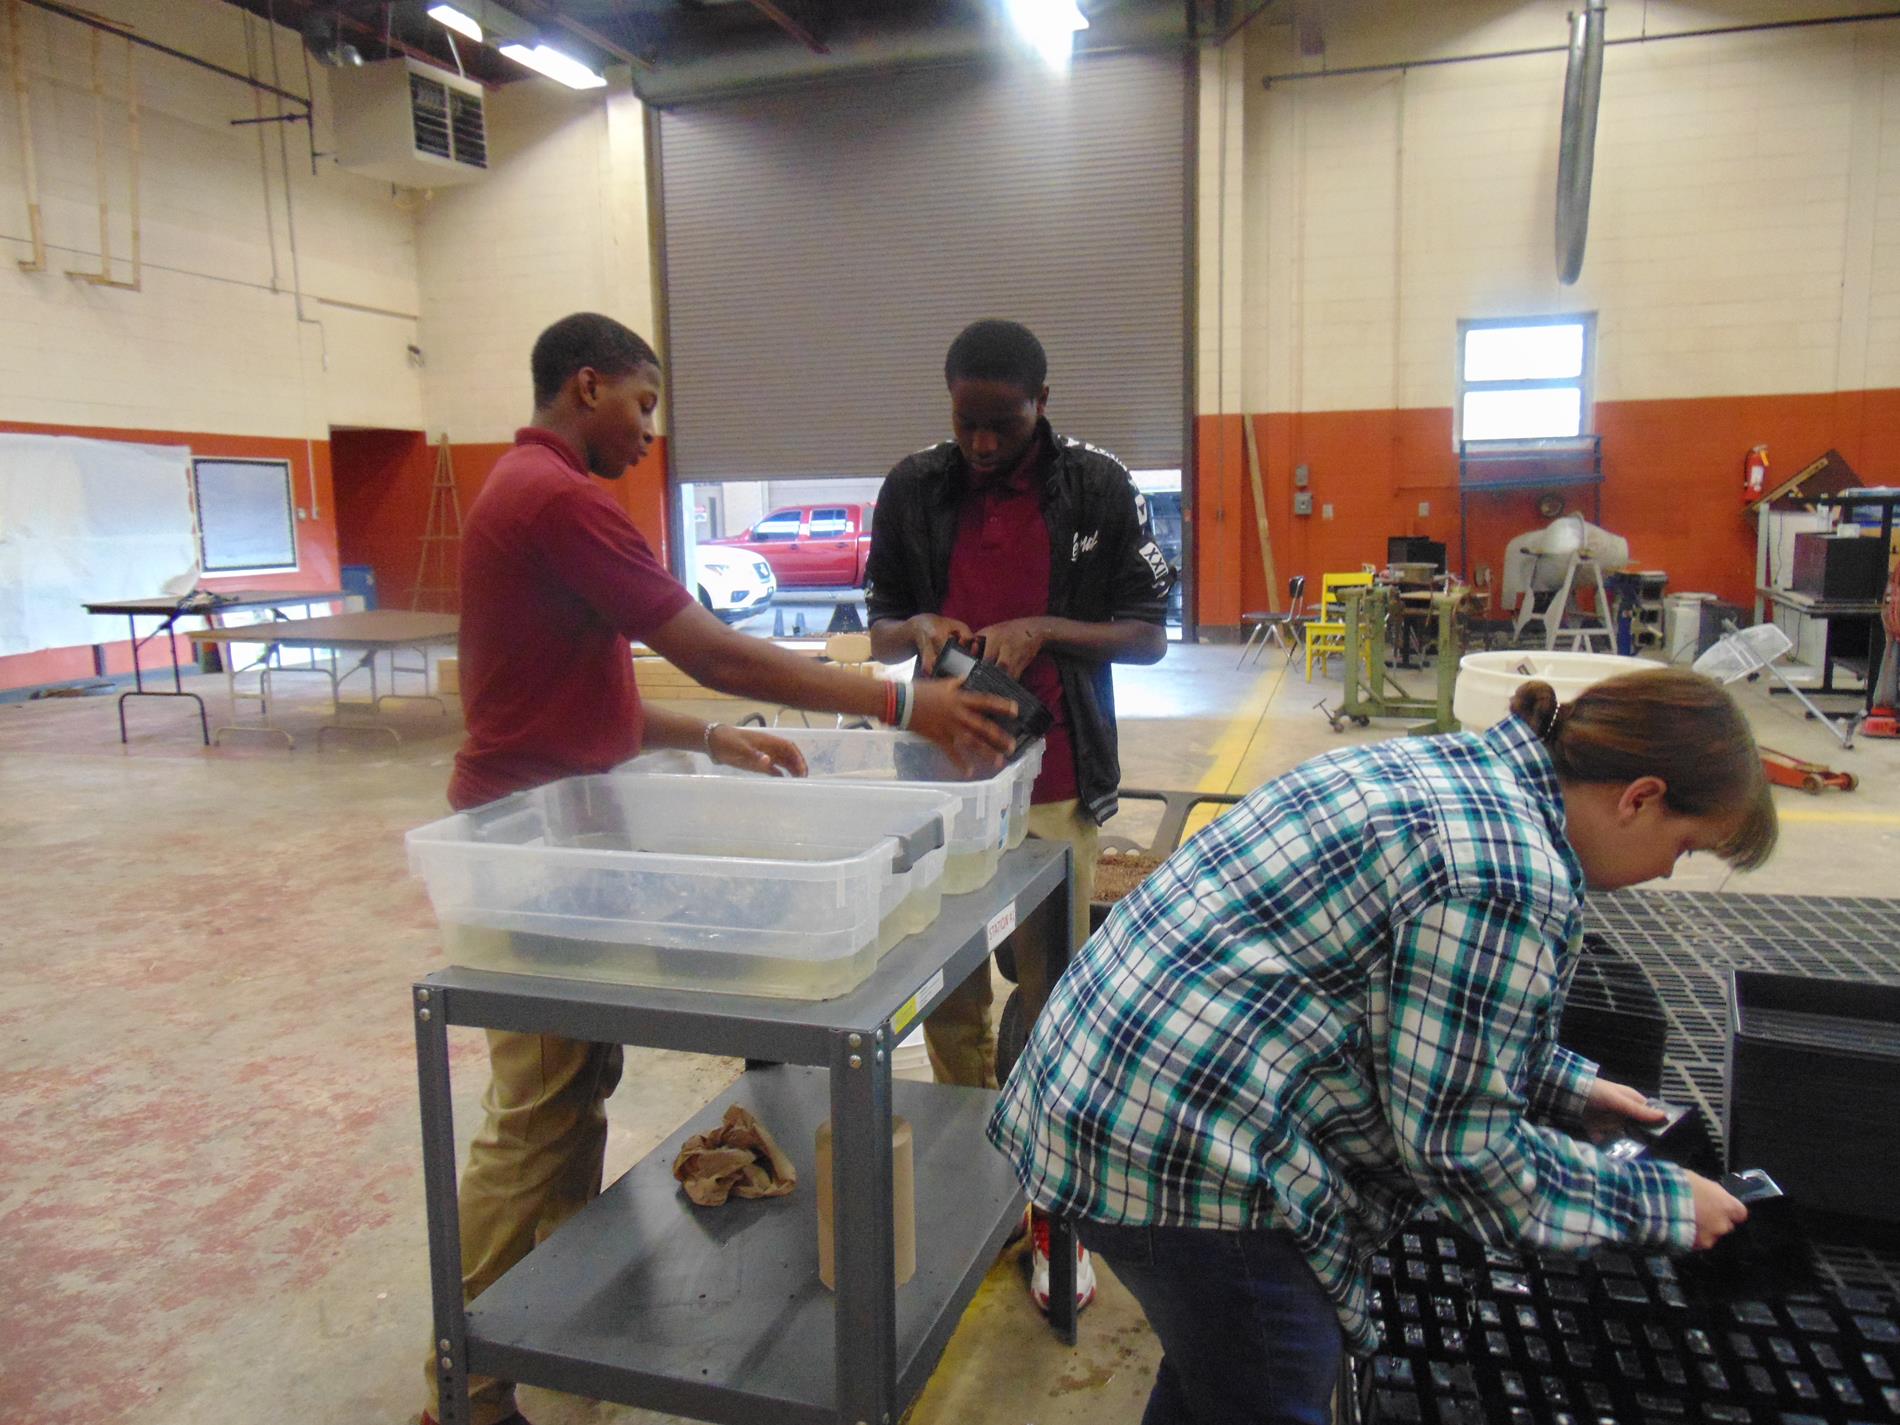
x: 1248, y: 1336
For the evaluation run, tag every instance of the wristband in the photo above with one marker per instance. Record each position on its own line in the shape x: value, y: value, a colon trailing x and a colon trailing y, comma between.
x: 711, y: 728
x: 906, y: 704
x: 891, y: 705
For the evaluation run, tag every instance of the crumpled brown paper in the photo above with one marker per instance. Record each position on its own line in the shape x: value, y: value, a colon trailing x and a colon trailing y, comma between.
x: 737, y: 1158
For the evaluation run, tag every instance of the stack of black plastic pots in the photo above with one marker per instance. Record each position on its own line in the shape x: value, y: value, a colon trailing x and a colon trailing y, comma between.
x: 1628, y: 1337
x: 1613, y: 1015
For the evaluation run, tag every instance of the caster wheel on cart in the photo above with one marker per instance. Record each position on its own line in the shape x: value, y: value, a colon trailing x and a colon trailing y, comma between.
x: 1361, y: 721
x: 1011, y: 1035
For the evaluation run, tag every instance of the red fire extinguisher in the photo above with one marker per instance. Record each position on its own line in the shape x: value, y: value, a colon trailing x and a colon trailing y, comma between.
x: 1754, y: 473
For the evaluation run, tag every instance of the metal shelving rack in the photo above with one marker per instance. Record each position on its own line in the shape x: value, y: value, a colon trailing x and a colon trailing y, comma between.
x: 1494, y: 466
x: 645, y: 1300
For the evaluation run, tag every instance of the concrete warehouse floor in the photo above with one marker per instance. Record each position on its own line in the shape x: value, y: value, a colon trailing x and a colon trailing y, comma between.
x: 210, y: 1195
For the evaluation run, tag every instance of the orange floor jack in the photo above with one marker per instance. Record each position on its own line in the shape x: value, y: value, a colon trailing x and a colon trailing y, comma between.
x: 1811, y: 777
x: 1880, y: 720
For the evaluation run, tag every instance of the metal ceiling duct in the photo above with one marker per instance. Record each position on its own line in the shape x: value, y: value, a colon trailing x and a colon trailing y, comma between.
x: 1577, y: 142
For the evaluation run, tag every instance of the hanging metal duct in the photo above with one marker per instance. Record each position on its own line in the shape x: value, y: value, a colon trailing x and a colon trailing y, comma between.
x: 1576, y: 152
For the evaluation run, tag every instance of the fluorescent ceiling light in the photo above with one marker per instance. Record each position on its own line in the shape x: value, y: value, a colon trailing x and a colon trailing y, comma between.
x: 1047, y: 26
x: 564, y: 69
x: 461, y: 23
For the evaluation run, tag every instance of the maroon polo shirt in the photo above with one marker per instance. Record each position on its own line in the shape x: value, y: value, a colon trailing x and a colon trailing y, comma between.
x: 999, y: 570
x: 555, y: 581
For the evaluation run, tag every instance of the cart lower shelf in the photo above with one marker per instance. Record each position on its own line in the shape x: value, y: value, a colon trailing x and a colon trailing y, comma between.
x: 718, y: 1313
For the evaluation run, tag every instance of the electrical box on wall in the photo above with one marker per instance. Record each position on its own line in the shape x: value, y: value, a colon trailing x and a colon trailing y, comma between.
x: 1301, y: 477
x: 408, y: 123
x: 1302, y: 502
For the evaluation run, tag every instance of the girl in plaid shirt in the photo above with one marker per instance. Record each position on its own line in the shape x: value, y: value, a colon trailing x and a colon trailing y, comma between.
x: 1337, y: 1004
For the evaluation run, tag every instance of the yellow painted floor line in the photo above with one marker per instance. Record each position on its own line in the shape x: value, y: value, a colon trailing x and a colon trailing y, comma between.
x: 1230, y: 749
x: 1858, y: 818
x: 1236, y: 740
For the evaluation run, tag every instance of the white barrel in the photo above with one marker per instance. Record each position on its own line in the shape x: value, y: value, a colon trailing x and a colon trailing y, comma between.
x: 1486, y: 681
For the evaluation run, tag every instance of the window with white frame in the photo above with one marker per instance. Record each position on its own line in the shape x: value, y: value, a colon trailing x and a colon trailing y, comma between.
x: 1524, y: 378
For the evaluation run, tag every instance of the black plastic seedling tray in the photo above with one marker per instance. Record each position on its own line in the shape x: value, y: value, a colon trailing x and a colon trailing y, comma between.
x: 1813, y: 1077
x: 1613, y: 1015
x: 1626, y: 1335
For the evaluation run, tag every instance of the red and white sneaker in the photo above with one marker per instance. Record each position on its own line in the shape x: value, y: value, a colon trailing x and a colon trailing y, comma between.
x: 1039, y: 1268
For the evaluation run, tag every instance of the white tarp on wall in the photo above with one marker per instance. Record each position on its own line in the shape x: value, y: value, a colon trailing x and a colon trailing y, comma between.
x: 85, y: 521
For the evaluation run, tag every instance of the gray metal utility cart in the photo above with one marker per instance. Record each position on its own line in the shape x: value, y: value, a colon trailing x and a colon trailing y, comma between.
x: 644, y: 1299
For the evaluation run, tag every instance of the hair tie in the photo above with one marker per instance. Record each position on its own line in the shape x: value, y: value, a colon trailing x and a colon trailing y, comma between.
x: 1557, y: 715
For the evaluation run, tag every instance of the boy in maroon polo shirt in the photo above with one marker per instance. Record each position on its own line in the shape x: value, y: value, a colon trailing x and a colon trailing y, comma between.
x: 555, y: 581
x: 1042, y: 546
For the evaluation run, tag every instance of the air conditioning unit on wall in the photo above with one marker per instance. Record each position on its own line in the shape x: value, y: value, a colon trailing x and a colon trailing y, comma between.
x: 409, y: 123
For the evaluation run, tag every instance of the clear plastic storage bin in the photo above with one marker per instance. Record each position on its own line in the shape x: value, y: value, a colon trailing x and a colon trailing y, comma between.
x: 750, y: 886
x: 992, y: 813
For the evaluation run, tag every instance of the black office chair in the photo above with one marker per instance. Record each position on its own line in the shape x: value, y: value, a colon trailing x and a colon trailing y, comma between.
x: 1283, y: 628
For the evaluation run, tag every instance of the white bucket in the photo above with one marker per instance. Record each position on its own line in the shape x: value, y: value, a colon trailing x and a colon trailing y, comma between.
x: 1486, y: 681
x: 1682, y: 625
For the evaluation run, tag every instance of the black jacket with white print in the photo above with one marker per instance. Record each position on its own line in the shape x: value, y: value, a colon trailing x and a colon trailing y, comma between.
x: 1104, y: 564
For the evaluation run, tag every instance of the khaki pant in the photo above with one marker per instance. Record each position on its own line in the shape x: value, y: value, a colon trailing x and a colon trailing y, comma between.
x: 958, y: 1033
x: 534, y: 1164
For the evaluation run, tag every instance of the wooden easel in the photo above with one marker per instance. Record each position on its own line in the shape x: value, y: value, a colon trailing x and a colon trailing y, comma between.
x: 437, y: 576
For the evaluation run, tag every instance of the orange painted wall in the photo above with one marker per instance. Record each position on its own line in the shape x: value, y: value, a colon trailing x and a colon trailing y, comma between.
x: 1672, y: 481
x: 383, y: 482
x: 371, y: 503
x: 316, y: 541
x: 641, y: 491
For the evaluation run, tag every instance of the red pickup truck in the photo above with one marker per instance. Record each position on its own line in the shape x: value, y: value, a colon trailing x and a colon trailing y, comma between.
x: 811, y: 546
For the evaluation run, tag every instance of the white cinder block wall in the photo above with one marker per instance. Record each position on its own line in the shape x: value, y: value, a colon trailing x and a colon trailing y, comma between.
x: 213, y: 343
x: 1745, y: 224
x: 1743, y: 266
x: 559, y: 225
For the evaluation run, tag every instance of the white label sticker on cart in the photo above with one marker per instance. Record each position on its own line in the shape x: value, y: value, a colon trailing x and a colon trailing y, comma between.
x: 908, y: 1011
x: 1000, y: 925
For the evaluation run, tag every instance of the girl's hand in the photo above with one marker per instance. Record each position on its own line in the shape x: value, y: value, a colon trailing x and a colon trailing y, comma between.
x: 1612, y: 1107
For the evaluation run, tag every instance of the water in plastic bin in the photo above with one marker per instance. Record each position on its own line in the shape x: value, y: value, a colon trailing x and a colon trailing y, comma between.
x: 728, y: 972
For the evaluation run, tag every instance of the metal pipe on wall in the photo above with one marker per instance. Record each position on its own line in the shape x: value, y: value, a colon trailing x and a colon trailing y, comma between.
x: 81, y: 17
x: 290, y: 232
x: 1577, y: 138
x: 35, y: 226
x: 103, y: 277
x: 1394, y: 66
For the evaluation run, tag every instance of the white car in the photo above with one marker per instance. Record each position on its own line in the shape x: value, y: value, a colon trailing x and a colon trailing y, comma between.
x: 732, y: 583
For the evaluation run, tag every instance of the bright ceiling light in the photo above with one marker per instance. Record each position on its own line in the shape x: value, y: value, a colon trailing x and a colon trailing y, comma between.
x: 564, y: 69
x: 461, y: 23
x: 1047, y: 26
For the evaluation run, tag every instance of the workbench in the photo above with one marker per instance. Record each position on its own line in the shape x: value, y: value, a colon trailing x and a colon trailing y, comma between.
x: 1864, y: 658
x: 366, y: 634
x: 168, y: 609
x: 718, y: 1314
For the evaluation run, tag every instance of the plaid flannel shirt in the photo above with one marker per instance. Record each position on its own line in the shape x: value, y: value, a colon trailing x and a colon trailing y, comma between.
x: 1332, y: 1006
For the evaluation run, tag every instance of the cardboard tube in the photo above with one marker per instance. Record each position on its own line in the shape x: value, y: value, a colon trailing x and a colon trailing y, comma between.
x: 903, y: 1204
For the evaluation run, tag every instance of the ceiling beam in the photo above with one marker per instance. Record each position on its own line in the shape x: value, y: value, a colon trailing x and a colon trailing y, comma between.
x: 781, y: 17
x: 598, y: 40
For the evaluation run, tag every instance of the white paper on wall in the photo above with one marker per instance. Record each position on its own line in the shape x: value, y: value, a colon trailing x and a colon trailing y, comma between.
x: 84, y: 521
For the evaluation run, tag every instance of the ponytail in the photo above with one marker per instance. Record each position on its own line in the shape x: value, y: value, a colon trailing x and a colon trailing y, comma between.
x: 1666, y: 723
